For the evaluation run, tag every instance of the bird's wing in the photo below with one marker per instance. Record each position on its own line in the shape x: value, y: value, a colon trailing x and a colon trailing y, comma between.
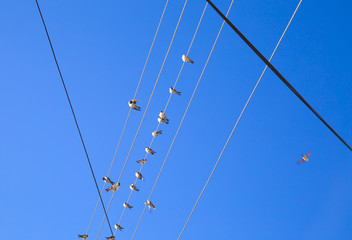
x: 308, y: 154
x: 301, y: 161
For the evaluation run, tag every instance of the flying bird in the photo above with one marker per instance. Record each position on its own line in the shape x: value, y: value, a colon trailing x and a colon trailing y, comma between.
x: 110, y: 238
x: 305, y: 158
x: 126, y: 205
x: 150, y: 205
x: 161, y: 120
x: 173, y: 91
x: 114, y: 187
x: 118, y: 227
x: 156, y: 133
x: 107, y: 180
x: 149, y: 150
x: 133, y: 104
x: 142, y: 161
x: 134, y: 188
x: 163, y: 116
x: 139, y: 176
x: 186, y: 59
x: 85, y: 236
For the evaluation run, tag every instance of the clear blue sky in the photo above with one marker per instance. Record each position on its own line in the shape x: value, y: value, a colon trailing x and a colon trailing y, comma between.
x: 258, y: 190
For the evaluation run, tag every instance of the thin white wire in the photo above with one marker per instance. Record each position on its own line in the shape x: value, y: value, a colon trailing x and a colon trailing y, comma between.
x: 157, y: 128
x: 239, y: 118
x: 129, y: 112
x: 150, y: 98
x: 184, y: 115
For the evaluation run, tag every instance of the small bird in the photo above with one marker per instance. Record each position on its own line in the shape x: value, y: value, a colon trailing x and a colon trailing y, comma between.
x: 134, y: 188
x: 149, y: 150
x: 173, y: 91
x: 139, y: 176
x: 150, y: 205
x: 142, y: 161
x: 156, y: 133
x: 163, y: 115
x: 85, y: 236
x: 305, y: 158
x: 133, y: 104
x: 114, y: 187
x: 161, y: 120
x: 118, y: 227
x: 107, y: 180
x: 126, y: 205
x: 110, y: 238
x: 186, y: 59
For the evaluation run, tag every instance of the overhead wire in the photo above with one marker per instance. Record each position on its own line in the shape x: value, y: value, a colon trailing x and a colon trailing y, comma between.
x: 146, y: 109
x: 238, y: 120
x: 129, y: 112
x: 184, y: 115
x: 278, y: 74
x: 73, y: 112
x: 168, y: 101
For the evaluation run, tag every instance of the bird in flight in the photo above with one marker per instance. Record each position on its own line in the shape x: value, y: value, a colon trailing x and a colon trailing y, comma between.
x: 133, y: 104
x: 186, y: 59
x: 85, y: 236
x: 305, y: 158
x: 107, y: 180
x: 173, y: 91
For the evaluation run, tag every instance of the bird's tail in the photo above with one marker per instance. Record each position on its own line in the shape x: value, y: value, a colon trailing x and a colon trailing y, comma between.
x: 191, y: 61
x: 179, y: 93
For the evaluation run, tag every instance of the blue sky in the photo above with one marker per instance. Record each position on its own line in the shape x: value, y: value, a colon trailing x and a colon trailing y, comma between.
x: 258, y: 190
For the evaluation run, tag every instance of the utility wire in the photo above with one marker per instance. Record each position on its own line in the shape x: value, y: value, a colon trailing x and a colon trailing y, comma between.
x: 150, y: 98
x: 184, y: 115
x: 129, y: 112
x: 157, y: 128
x: 278, y: 74
x: 239, y: 118
x: 73, y: 113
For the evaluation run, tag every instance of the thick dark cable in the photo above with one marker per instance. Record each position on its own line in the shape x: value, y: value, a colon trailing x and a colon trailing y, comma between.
x: 276, y: 72
x: 73, y: 113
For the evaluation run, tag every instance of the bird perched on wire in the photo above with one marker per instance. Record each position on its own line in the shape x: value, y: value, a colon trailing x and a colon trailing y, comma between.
x: 163, y: 116
x: 110, y: 238
x: 173, y: 91
x: 305, y: 158
x: 126, y: 205
x: 118, y: 227
x: 149, y: 150
x: 186, y: 59
x: 107, y: 180
x: 150, y: 205
x: 114, y: 187
x: 134, y: 188
x: 85, y: 236
x: 162, y: 120
x: 142, y: 161
x: 139, y: 176
x: 133, y: 104
x: 156, y: 133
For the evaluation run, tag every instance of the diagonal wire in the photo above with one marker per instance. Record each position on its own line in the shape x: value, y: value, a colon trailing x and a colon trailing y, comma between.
x: 184, y: 115
x: 129, y: 112
x: 150, y: 98
x: 150, y: 145
x: 239, y: 118
x: 73, y: 113
x: 278, y: 74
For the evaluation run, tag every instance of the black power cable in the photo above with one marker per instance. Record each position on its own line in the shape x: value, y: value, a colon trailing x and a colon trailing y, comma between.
x: 74, y: 115
x: 277, y: 72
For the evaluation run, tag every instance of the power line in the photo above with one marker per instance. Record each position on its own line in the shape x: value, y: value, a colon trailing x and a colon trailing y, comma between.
x: 184, y: 115
x: 73, y: 113
x: 129, y: 112
x: 277, y: 73
x: 239, y: 118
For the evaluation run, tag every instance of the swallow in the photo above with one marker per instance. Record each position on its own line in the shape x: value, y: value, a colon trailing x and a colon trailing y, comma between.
x: 173, y: 91
x: 149, y: 150
x: 134, y: 188
x: 156, y: 133
x: 118, y: 227
x: 142, y: 161
x: 133, y: 104
x: 186, y: 59
x: 161, y: 120
x: 107, y: 180
x: 110, y: 238
x: 163, y: 116
x: 150, y: 204
x: 85, y: 236
x: 305, y: 158
x: 139, y: 176
x: 114, y: 187
x: 126, y: 205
